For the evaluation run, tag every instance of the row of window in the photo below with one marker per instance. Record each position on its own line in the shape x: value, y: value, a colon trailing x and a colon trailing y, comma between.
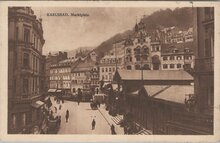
x: 107, y: 77
x: 178, y: 66
x: 188, y: 57
x: 111, y: 61
x: 93, y: 82
x: 63, y: 70
x: 179, y: 40
x: 65, y: 77
x: 138, y: 67
x: 108, y: 69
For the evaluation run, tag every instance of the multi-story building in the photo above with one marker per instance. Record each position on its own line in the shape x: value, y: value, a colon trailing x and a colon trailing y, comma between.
x: 84, y: 74
x: 60, y: 76
x: 175, y: 35
x: 204, y: 59
x: 188, y: 35
x: 137, y: 49
x: 177, y: 56
x: 51, y: 60
x: 26, y: 70
x: 113, y: 60
x: 108, y: 67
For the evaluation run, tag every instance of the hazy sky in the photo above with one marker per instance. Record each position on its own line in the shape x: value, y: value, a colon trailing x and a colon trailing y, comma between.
x: 71, y: 32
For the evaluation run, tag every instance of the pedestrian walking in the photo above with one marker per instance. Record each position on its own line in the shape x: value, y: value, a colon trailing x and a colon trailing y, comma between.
x: 113, y: 129
x: 59, y: 120
x: 62, y: 101
x: 60, y: 107
x: 55, y: 109
x: 97, y: 90
x: 93, y: 124
x: 67, y: 115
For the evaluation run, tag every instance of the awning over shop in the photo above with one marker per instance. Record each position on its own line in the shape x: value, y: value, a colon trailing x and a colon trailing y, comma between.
x: 37, y: 104
x: 58, y: 91
x: 52, y: 90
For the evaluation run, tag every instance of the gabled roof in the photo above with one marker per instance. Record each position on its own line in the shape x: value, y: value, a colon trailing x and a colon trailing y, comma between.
x: 153, y: 75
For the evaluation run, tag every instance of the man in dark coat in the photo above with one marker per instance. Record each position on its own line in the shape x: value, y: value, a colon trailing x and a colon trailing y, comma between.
x: 67, y: 115
x: 93, y: 124
x: 113, y: 129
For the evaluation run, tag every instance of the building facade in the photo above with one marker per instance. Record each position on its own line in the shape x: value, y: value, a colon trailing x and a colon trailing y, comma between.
x: 108, y: 67
x: 177, y: 56
x: 84, y: 75
x: 26, y: 70
x: 60, y: 76
x: 137, y: 49
x: 204, y: 59
x: 52, y: 59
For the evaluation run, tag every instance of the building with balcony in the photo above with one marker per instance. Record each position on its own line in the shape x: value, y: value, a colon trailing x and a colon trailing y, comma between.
x: 204, y: 59
x: 26, y: 69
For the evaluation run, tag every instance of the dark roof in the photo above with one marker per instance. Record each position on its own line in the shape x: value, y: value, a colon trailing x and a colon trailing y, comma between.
x: 153, y: 75
x: 167, y: 49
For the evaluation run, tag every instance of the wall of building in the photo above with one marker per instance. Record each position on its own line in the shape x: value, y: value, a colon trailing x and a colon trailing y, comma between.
x: 26, y: 68
x: 204, y: 57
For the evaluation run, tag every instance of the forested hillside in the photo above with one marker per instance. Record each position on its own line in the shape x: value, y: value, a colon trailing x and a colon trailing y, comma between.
x: 179, y: 17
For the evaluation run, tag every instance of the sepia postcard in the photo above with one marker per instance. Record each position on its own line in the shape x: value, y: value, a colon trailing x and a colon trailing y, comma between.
x: 101, y: 71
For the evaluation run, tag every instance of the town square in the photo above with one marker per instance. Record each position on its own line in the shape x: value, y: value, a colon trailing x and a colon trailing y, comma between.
x: 111, y: 70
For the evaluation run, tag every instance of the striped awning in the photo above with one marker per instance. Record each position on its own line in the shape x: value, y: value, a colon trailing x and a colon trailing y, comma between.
x: 144, y: 132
